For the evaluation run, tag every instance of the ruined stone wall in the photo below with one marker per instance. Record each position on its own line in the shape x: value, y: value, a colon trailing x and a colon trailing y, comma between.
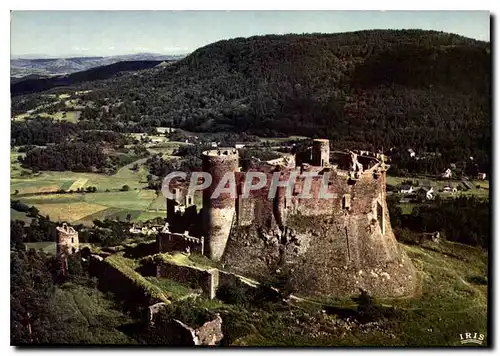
x: 218, y: 213
x: 113, y: 280
x: 227, y: 278
x: 287, y: 160
x: 327, y: 246
x: 343, y: 160
x: 196, y: 278
x: 245, y: 211
x: 168, y: 241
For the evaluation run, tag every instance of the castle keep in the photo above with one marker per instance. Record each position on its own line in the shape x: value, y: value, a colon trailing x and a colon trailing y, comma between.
x: 321, y: 246
x: 218, y: 214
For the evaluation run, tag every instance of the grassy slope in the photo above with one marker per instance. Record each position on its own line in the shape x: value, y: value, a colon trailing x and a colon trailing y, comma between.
x: 94, y: 319
x: 70, y: 116
x: 447, y: 303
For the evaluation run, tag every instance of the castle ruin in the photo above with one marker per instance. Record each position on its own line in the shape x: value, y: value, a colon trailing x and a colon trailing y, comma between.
x: 322, y: 246
x: 67, y: 243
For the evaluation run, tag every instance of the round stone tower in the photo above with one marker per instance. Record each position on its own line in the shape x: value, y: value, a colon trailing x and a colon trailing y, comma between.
x: 67, y: 239
x: 320, y: 152
x: 218, y: 213
x: 67, y: 243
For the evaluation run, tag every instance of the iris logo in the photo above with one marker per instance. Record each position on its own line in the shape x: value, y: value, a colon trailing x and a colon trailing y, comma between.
x: 469, y: 338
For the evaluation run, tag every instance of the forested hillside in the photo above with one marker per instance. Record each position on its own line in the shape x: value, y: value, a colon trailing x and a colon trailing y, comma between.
x: 33, y: 85
x: 422, y: 89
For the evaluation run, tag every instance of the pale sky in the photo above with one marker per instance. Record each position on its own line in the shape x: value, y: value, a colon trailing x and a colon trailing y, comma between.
x: 104, y: 33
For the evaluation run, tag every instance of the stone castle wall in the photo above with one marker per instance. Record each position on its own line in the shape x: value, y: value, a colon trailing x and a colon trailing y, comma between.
x: 206, y: 280
x: 327, y: 246
x: 169, y: 241
x: 113, y: 280
x: 67, y: 240
x: 332, y: 246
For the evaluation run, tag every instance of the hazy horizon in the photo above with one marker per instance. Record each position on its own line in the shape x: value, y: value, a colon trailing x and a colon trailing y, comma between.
x: 64, y: 34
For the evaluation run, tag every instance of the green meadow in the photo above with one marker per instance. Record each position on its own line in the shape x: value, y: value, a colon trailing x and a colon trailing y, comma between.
x: 109, y: 201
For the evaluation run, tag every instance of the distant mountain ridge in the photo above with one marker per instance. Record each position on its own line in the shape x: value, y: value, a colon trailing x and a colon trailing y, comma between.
x: 21, y: 67
x: 34, y: 83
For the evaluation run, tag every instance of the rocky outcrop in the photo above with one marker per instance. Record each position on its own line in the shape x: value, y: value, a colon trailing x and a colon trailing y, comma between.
x: 209, y: 334
x: 153, y: 310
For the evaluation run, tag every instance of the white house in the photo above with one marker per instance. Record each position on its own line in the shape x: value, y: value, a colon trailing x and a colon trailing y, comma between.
x: 447, y: 174
x: 239, y: 145
x: 429, y: 192
x: 411, y: 152
x: 163, y: 130
x: 144, y: 230
x: 481, y: 176
x: 406, y: 189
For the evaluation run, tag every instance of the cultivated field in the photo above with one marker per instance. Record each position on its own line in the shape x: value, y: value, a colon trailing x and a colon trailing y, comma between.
x: 71, y: 116
x: 108, y: 202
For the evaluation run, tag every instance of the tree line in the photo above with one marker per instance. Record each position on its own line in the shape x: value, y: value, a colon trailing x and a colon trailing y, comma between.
x: 464, y: 219
x: 426, y: 90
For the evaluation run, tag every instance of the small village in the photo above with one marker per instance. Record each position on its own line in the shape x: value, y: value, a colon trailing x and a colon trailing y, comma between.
x: 424, y: 188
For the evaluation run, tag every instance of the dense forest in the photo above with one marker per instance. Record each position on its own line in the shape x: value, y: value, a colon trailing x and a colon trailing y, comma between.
x: 384, y: 88
x: 40, y: 131
x: 78, y: 157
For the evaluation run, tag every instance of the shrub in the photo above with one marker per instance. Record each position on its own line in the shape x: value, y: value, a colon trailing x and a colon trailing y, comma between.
x: 479, y: 280
x: 19, y: 206
x: 369, y: 310
x: 232, y: 294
